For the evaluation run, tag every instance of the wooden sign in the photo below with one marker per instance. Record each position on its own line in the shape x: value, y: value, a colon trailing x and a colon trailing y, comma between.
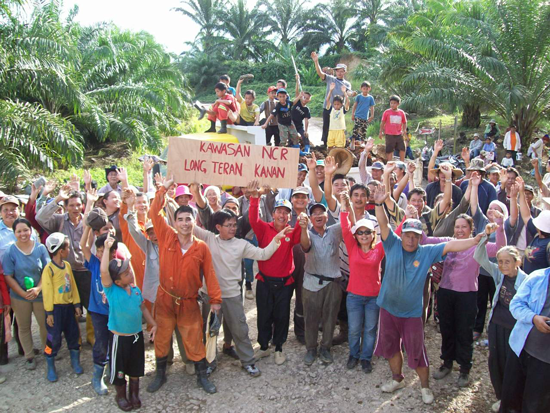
x: 223, y: 163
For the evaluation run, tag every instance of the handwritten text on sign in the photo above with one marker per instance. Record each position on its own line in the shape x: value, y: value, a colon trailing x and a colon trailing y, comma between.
x: 221, y: 163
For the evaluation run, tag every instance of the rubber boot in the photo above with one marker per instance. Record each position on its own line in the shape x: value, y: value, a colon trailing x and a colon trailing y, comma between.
x: 52, y: 373
x: 160, y: 377
x: 223, y: 128
x: 75, y: 361
x: 97, y: 380
x: 120, y: 398
x: 202, y: 110
x: 212, y: 127
x: 342, y: 336
x: 202, y: 377
x: 134, y: 393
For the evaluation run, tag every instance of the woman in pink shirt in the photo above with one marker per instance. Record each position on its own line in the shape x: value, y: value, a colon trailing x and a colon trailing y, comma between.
x: 365, y: 256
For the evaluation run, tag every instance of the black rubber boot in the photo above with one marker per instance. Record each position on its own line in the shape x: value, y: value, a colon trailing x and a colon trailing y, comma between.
x: 160, y: 377
x: 202, y: 110
x: 202, y: 377
x: 223, y: 128
x: 212, y: 127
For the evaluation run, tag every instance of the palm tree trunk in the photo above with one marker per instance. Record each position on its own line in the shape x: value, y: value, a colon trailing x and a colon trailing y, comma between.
x: 471, y: 116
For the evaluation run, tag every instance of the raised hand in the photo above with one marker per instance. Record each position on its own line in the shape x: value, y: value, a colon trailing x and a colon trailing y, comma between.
x: 49, y: 187
x: 535, y: 162
x: 303, y: 220
x: 109, y: 241
x: 369, y: 145
x: 128, y: 197
x: 158, y: 179
x: 74, y: 182
x: 311, y: 162
x: 148, y: 165
x: 314, y: 56
x: 521, y: 184
x: 411, y: 212
x: 344, y: 199
x: 92, y: 196
x: 490, y: 228
x: 475, y: 179
x: 332, y: 86
x: 380, y: 194
x: 503, y: 177
x: 514, y: 191
x: 265, y: 189
x: 64, y: 192
x: 123, y: 175
x: 495, y: 215
x: 168, y: 182
x: 344, y: 89
x: 34, y: 193
x: 447, y: 170
x: 330, y: 165
x: 194, y: 188
x: 252, y: 189
x: 389, y: 168
x: 465, y: 154
x: 411, y: 167
x: 438, y: 145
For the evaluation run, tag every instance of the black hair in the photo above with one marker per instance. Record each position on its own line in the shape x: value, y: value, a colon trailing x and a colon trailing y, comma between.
x: 417, y: 191
x: 100, y: 243
x: 72, y: 195
x: 351, y: 179
x: 339, y: 176
x: 220, y: 217
x: 182, y: 210
x: 512, y: 169
x: 338, y: 98
x: 105, y: 197
x: 225, y: 77
x: 358, y: 187
x: 395, y: 98
x: 365, y: 83
x: 251, y: 93
x: 221, y: 86
x: 21, y: 221
x: 62, y: 247
x: 283, y: 82
x: 468, y: 219
x: 544, y: 234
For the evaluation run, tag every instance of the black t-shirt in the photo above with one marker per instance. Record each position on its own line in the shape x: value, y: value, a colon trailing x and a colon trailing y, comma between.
x: 283, y: 113
x: 501, y: 314
x: 299, y: 113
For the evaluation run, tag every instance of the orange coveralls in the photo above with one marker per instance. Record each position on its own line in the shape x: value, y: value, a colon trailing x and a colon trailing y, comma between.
x: 180, y: 277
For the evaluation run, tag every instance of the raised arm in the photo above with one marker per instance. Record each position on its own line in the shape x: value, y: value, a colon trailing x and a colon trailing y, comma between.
x: 363, y: 173
x: 524, y: 209
x: 195, y: 189
x: 297, y: 93
x: 313, y: 183
x: 238, y: 95
x: 448, y: 193
x: 482, y: 258
x: 408, y: 177
x: 47, y: 217
x: 320, y: 72
x: 514, y: 211
x: 346, y: 98
x: 305, y: 241
x: 458, y: 245
x: 106, y: 279
x: 543, y: 187
x: 135, y: 231
x: 330, y: 168
x: 380, y: 197
x: 329, y: 94
x: 438, y: 146
x: 258, y: 226
x: 147, y: 168
x: 86, y: 242
x: 155, y: 213
x: 473, y: 186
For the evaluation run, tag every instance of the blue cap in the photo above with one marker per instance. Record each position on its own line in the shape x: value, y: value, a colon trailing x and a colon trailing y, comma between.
x: 283, y: 203
x: 302, y: 167
x: 412, y: 225
x: 281, y: 90
x: 378, y: 165
x: 320, y: 162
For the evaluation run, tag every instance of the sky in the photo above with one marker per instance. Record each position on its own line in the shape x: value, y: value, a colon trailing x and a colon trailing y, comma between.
x: 170, y: 28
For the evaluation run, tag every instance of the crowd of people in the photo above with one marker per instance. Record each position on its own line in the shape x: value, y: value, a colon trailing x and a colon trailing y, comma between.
x: 374, y: 257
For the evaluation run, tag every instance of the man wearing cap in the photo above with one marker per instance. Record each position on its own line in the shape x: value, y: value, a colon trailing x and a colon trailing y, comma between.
x: 339, y: 81
x: 401, y: 296
x: 475, y: 146
x: 272, y: 129
x: 438, y: 187
x: 491, y: 130
x: 486, y: 191
x: 185, y: 262
x: 275, y: 283
x: 321, y: 296
x: 493, y: 175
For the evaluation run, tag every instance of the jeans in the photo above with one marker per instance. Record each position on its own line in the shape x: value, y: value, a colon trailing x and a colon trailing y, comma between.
x: 408, y: 153
x: 103, y: 338
x: 474, y: 153
x: 362, y: 316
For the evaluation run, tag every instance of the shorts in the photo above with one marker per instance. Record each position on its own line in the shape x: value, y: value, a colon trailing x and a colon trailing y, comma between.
x: 336, y: 138
x: 127, y: 358
x: 288, y: 131
x: 360, y: 129
x: 394, y: 142
x: 392, y: 331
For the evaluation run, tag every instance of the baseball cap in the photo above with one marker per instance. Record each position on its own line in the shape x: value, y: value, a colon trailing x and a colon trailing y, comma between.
x: 300, y: 190
x: 492, y: 170
x: 283, y: 203
x: 271, y: 89
x: 182, y: 190
x: 401, y: 165
x: 412, y: 225
x: 320, y: 162
x: 148, y: 225
x: 317, y: 205
x: 10, y: 199
x: 118, y: 266
x: 97, y: 219
x: 367, y: 223
x: 281, y: 90
x: 378, y: 165
x: 301, y: 167
x: 493, y: 121
x: 529, y: 188
x: 476, y: 135
x: 341, y: 66
x: 542, y: 222
x: 55, y: 241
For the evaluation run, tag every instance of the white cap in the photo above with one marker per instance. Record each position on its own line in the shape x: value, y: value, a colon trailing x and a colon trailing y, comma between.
x: 55, y: 241
x: 367, y: 223
x: 542, y: 222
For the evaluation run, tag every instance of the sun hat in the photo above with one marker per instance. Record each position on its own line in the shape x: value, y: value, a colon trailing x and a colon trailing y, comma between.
x: 341, y: 66
x: 412, y: 225
x: 476, y: 165
x: 542, y: 222
x: 367, y: 223
x: 456, y: 171
x: 148, y: 225
x: 182, y: 190
x: 55, y: 241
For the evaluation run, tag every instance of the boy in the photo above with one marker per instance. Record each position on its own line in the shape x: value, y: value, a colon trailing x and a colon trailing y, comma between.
x: 126, y: 309
x: 394, y: 126
x: 362, y: 114
x: 227, y: 80
x: 337, y: 125
x: 281, y: 84
x: 249, y: 114
x: 272, y: 128
x: 224, y: 109
x: 489, y: 148
x: 300, y: 113
x: 507, y: 161
x: 61, y: 303
x: 284, y: 119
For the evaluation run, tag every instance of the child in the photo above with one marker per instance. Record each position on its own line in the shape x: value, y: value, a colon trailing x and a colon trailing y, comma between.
x: 126, y: 309
x: 227, y: 80
x: 272, y: 128
x: 337, y: 125
x: 490, y: 149
x: 362, y: 114
x: 507, y: 161
x: 394, y: 126
x: 61, y: 303
x: 301, y: 114
x: 249, y: 114
x: 284, y: 119
x: 224, y: 109
x: 281, y: 84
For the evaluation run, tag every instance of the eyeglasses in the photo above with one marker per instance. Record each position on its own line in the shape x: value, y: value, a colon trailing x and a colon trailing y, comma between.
x: 230, y: 226
x: 365, y: 232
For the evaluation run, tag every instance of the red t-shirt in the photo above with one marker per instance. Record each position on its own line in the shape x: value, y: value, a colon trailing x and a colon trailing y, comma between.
x: 394, y: 120
x: 233, y: 107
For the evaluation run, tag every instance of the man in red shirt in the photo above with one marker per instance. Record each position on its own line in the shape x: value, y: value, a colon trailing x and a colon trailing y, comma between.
x: 225, y: 109
x: 275, y: 283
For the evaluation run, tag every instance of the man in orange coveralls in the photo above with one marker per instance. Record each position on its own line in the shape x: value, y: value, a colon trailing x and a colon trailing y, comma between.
x: 181, y: 258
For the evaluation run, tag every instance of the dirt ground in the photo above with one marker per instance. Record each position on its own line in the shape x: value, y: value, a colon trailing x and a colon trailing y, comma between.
x: 289, y: 388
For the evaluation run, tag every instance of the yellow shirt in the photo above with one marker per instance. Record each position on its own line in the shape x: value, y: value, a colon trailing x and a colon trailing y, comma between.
x: 58, y: 286
x: 248, y: 113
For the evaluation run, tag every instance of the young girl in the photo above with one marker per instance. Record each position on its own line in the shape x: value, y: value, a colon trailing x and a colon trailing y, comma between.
x: 508, y: 277
x: 337, y: 126
x: 126, y: 308
x: 365, y: 256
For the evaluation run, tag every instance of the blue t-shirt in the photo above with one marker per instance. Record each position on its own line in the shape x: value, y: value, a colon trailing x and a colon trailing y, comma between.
x: 124, y: 309
x: 20, y: 265
x: 98, y: 300
x: 402, y: 290
x: 537, y: 254
x: 364, y: 104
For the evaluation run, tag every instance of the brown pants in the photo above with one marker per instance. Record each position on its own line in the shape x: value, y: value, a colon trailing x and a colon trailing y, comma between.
x: 321, y: 306
x: 23, y: 310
